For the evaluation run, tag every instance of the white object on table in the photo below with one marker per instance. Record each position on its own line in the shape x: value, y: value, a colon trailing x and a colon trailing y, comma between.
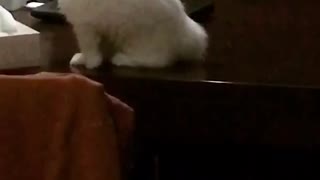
x: 20, y: 49
x: 32, y: 5
x: 19, y: 44
x: 8, y: 24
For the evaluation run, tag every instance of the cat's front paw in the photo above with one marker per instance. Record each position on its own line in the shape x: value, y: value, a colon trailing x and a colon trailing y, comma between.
x: 93, y: 61
x: 90, y: 62
x: 77, y: 59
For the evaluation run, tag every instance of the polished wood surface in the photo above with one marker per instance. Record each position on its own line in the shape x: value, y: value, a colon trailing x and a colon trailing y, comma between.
x: 258, y: 86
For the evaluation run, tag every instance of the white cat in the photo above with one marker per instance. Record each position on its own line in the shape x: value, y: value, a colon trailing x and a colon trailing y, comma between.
x: 145, y: 33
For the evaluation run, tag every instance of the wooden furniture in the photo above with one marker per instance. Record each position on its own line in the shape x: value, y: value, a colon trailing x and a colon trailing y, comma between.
x: 253, y: 103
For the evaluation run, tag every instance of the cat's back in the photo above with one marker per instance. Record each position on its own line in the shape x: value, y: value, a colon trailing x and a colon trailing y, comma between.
x: 121, y: 12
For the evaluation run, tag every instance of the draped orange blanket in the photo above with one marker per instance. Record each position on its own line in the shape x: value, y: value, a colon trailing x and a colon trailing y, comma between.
x: 60, y: 127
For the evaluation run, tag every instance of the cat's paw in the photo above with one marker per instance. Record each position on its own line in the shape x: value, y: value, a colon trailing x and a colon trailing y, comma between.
x: 93, y: 61
x: 122, y: 60
x: 90, y: 62
x: 77, y: 59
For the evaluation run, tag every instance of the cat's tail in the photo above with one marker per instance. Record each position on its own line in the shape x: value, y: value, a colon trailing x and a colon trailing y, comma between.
x: 194, y: 41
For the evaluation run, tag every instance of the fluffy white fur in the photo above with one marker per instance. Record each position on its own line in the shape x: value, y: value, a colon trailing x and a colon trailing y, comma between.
x: 145, y: 33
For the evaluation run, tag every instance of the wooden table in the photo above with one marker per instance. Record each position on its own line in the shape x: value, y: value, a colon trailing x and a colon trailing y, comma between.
x: 254, y: 101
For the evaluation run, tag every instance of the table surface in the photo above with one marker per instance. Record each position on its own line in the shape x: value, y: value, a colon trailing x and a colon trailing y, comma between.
x: 252, y: 42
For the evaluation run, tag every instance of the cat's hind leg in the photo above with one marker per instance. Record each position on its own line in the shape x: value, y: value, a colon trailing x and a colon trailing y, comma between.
x: 144, y: 53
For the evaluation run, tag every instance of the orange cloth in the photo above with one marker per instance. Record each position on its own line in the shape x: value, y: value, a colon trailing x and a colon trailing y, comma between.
x: 60, y: 127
